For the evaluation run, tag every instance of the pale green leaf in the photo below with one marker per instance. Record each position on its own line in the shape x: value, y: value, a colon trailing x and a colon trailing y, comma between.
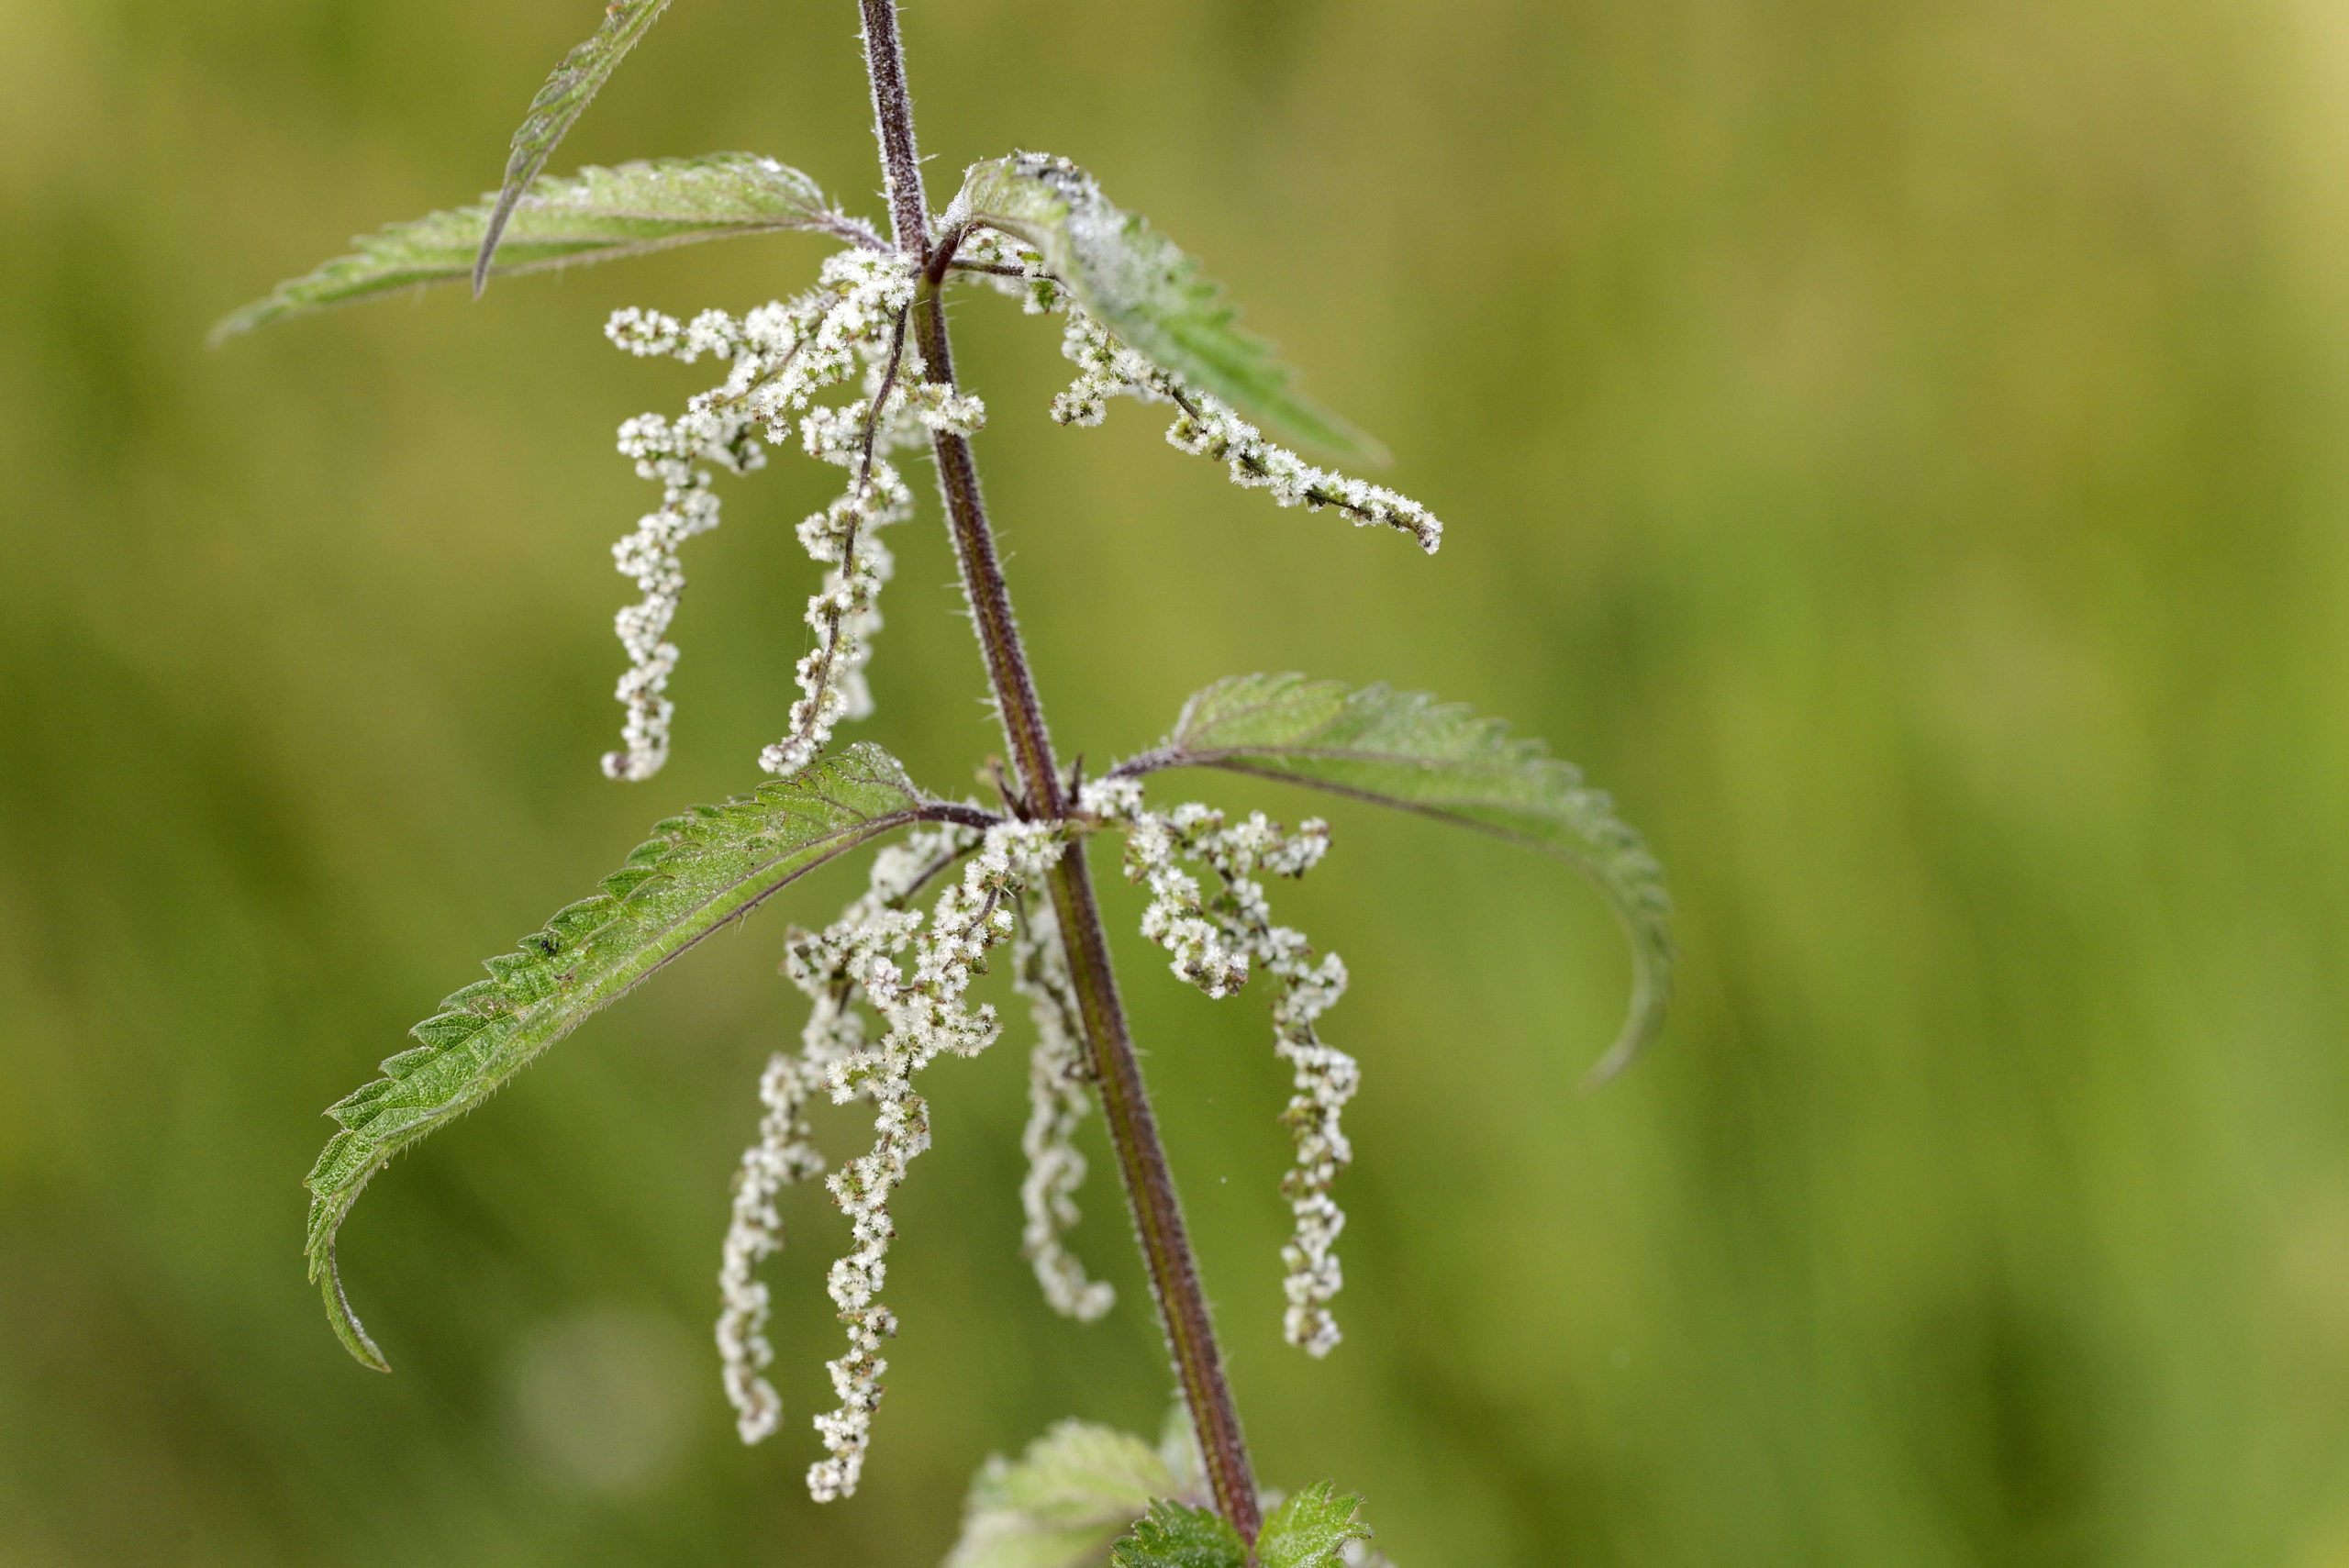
x: 1311, y: 1528
x: 557, y: 108
x: 1136, y: 282
x: 1403, y: 749
x: 1063, y: 1502
x: 700, y: 870
x: 1176, y: 1535
x: 596, y: 215
x: 1178, y: 1445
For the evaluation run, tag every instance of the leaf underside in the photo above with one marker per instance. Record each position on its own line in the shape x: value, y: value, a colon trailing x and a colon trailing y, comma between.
x: 1140, y: 286
x: 1061, y: 1503
x: 596, y: 215
x: 1404, y: 749
x: 559, y: 102
x: 697, y: 871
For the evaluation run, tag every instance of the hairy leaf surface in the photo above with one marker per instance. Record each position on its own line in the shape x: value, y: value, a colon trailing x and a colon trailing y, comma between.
x: 697, y: 871
x: 1176, y: 1535
x: 1311, y: 1528
x: 1063, y: 1501
x: 557, y: 109
x: 1406, y: 749
x: 1139, y: 284
x: 596, y: 215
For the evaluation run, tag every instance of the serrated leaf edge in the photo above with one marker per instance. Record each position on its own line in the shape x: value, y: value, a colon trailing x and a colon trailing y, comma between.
x: 522, y: 979
x: 1151, y: 1542
x: 1339, y: 1522
x: 549, y: 194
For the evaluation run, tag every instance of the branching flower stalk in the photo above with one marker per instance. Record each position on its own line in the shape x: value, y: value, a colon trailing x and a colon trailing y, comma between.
x: 820, y: 965
x: 859, y: 368
x: 783, y: 356
x: 926, y: 1019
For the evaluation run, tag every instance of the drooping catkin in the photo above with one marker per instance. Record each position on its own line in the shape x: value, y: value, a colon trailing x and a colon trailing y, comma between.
x: 1213, y: 939
x: 1060, y: 1091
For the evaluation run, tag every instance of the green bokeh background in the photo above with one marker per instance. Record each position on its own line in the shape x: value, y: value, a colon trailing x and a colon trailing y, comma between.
x: 1896, y: 447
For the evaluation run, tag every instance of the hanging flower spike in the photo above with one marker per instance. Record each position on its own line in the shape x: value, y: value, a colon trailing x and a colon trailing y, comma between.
x: 670, y: 455
x: 1208, y: 427
x: 1060, y: 1091
x: 1213, y: 940
x: 1204, y: 425
x: 783, y: 1153
x: 927, y: 1017
x: 784, y: 356
x: 899, y: 408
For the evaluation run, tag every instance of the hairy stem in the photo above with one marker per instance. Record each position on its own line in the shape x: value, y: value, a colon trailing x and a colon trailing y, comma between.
x: 1133, y: 1130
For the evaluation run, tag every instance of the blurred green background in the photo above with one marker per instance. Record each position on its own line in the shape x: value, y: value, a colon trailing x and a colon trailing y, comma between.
x: 1896, y: 447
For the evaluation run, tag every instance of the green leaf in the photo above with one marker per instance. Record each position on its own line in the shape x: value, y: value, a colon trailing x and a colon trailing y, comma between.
x: 557, y: 108
x: 1311, y: 1528
x: 1176, y: 1535
x: 1403, y: 749
x: 596, y: 215
x: 1136, y: 282
x: 1063, y: 1502
x: 697, y: 871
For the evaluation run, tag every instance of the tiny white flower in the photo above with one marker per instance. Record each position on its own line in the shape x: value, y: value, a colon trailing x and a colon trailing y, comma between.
x: 925, y: 1016
x: 1205, y: 425
x: 782, y: 356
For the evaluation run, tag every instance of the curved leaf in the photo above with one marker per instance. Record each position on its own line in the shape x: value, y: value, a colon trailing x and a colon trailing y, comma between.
x: 1139, y: 284
x: 1061, y: 1505
x: 697, y: 871
x: 596, y: 215
x: 559, y: 102
x: 1406, y: 749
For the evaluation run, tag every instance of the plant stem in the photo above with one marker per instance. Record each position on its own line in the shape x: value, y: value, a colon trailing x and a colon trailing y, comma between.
x: 1125, y: 1103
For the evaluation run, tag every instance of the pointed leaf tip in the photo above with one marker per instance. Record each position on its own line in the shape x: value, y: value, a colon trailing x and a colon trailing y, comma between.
x: 1405, y: 749
x: 559, y: 102
x: 346, y: 1327
x: 596, y: 215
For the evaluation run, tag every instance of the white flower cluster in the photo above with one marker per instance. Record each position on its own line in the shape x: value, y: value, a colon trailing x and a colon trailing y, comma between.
x: 783, y: 1153
x: 670, y: 454
x: 1060, y: 1082
x: 925, y: 1016
x: 1205, y: 425
x: 783, y: 356
x: 1213, y: 939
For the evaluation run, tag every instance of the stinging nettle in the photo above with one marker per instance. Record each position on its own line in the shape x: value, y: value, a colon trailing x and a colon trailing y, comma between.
x: 856, y: 370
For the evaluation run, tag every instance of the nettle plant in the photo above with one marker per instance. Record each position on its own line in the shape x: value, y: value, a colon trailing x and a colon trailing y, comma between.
x: 855, y: 370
